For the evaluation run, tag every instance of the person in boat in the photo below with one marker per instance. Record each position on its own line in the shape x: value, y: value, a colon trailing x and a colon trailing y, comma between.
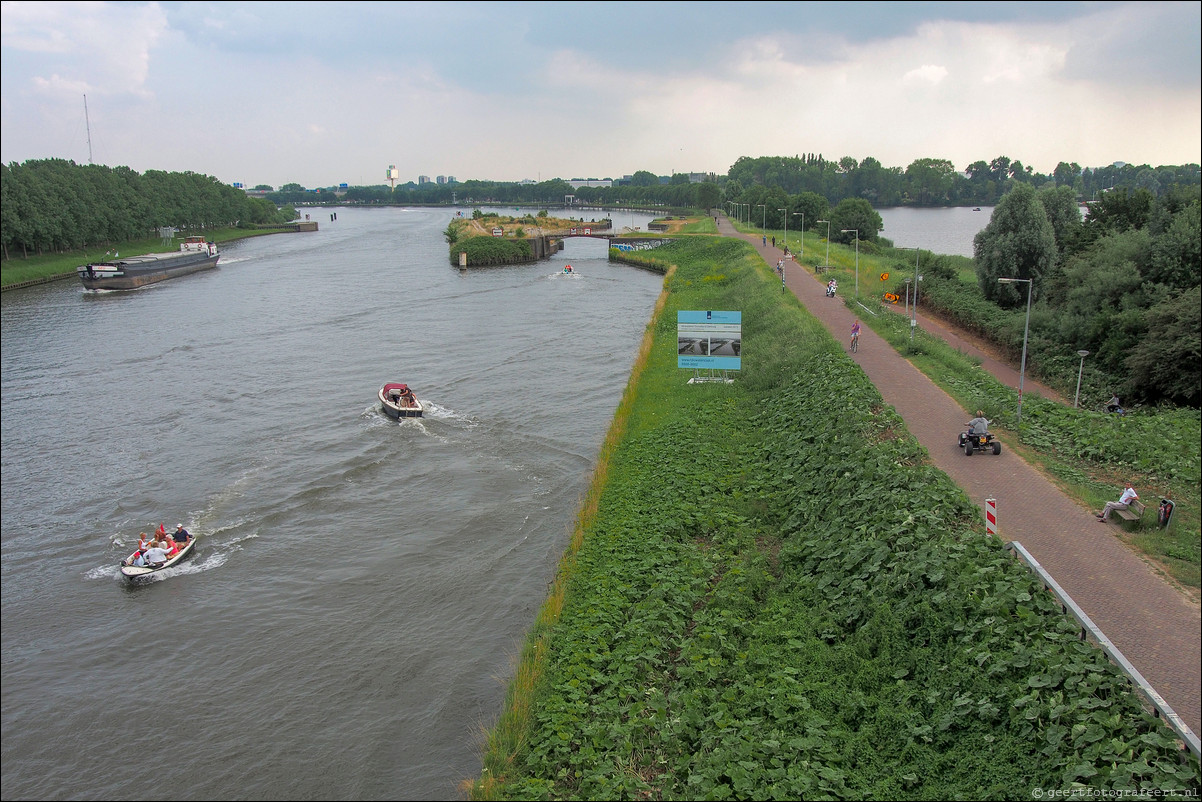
x: 136, y: 558
x: 155, y: 556
x: 169, y: 545
x: 407, y: 399
x: 182, y: 536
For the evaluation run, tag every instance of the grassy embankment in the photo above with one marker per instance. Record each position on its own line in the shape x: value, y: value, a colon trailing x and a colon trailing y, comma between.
x: 1086, y: 452
x: 17, y: 270
x: 770, y: 594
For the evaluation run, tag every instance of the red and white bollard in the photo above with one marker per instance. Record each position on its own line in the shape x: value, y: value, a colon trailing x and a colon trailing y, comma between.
x: 991, y: 517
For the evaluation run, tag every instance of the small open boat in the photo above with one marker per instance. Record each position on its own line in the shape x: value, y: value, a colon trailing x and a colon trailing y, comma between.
x: 399, y: 402
x: 141, y: 571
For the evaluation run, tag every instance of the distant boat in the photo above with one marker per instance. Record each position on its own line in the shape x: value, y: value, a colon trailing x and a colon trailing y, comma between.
x: 132, y: 572
x: 194, y: 254
x: 977, y: 209
x: 399, y: 402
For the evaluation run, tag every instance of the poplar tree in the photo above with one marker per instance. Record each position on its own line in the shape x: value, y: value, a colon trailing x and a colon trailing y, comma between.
x: 1018, y: 243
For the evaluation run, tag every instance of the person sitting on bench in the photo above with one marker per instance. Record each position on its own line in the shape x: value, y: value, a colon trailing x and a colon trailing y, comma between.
x: 1124, y: 501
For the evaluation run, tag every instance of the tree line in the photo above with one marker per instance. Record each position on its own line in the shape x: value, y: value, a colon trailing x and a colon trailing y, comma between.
x: 1123, y: 284
x: 56, y: 205
x: 771, y: 180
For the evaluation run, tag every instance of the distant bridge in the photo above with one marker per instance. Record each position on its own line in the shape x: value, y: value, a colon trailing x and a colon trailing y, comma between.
x: 550, y: 241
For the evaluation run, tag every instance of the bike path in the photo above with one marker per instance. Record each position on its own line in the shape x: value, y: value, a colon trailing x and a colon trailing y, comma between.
x: 1157, y: 627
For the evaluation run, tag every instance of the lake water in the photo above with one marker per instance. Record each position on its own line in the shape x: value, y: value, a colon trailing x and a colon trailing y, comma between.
x: 360, y: 587
x: 947, y: 230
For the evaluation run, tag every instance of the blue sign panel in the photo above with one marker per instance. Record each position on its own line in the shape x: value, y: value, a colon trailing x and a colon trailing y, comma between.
x: 709, y: 339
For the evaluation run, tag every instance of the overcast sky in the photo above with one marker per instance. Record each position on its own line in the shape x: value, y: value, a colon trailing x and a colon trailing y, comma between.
x: 325, y: 93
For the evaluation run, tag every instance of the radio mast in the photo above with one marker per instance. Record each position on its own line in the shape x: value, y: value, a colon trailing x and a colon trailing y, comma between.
x: 87, y: 123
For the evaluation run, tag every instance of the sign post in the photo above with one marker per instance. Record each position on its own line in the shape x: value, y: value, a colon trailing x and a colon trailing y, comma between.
x: 991, y: 517
x: 709, y: 339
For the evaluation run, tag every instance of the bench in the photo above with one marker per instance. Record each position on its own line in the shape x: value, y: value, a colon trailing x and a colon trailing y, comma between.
x: 1133, y: 512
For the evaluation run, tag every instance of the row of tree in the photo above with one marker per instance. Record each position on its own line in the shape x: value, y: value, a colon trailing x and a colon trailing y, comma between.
x: 55, y: 205
x: 1124, y: 284
x: 936, y: 182
x: 925, y: 182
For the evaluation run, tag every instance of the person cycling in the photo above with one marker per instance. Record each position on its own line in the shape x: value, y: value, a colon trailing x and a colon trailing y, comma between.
x: 855, y: 335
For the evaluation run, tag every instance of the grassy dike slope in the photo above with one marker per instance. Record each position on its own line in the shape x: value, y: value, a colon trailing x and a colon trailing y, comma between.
x: 770, y: 594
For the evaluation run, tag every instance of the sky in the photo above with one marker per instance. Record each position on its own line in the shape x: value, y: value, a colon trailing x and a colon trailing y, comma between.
x: 325, y: 93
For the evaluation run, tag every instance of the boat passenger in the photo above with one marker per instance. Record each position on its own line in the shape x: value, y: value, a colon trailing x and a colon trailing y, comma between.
x: 182, y: 536
x: 155, y: 556
x: 407, y: 398
x: 170, y: 546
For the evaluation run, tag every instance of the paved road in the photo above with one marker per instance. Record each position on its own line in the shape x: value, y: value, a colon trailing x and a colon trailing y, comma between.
x: 1156, y: 626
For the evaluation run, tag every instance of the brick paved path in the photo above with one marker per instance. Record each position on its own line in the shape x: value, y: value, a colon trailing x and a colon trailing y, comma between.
x: 1156, y: 626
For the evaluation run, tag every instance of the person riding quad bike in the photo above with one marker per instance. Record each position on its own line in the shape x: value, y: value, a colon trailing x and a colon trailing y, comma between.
x: 978, y: 436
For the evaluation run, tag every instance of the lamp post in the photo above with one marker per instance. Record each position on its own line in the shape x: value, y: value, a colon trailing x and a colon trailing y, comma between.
x: 786, y: 216
x: 803, y: 234
x: 1022, y: 370
x: 828, y: 242
x: 763, y: 218
x: 914, y: 306
x: 1077, y: 397
x: 844, y: 231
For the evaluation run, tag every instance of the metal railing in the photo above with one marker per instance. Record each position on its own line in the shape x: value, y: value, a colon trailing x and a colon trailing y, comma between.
x: 1159, y: 706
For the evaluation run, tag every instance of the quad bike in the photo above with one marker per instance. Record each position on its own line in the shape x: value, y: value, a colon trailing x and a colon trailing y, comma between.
x: 979, y: 442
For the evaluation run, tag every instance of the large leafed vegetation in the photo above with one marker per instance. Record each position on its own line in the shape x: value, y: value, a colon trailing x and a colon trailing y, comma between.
x: 771, y: 595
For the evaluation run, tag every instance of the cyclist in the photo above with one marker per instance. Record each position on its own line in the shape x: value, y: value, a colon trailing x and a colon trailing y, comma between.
x: 855, y: 336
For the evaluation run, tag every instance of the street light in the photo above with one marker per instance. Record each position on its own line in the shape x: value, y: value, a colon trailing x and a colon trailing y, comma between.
x: 917, y: 278
x: 844, y: 231
x: 803, y: 234
x: 828, y: 243
x: 1022, y: 370
x: 786, y: 211
x: 763, y: 218
x: 1081, y: 354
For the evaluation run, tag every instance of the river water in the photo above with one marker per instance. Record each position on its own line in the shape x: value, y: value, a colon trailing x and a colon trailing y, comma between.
x: 360, y: 586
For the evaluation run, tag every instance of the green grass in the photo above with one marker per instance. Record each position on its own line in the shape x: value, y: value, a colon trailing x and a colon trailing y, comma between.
x: 1087, y: 453
x: 745, y: 612
x: 16, y: 270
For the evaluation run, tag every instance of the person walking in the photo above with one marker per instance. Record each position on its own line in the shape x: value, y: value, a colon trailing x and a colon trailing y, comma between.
x: 1124, y: 501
